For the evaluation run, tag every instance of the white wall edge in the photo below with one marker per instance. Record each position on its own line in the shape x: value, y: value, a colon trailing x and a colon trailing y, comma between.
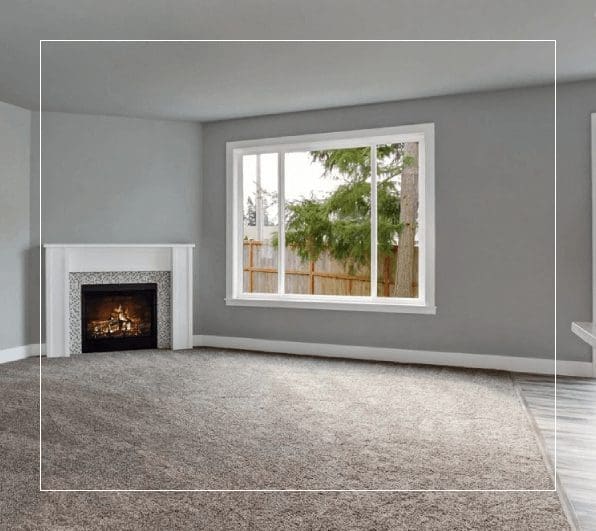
x: 21, y: 352
x: 397, y: 355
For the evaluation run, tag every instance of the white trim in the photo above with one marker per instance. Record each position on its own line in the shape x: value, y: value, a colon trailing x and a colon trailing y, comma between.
x: 21, y: 352
x: 281, y: 224
x: 337, y: 139
x: 426, y: 213
x: 421, y: 133
x: 328, y: 302
x: 374, y: 223
x: 398, y: 355
x: 181, y: 297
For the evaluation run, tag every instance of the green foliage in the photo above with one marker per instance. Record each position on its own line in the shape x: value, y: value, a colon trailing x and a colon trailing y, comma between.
x: 388, y: 225
x: 408, y: 160
x: 340, y: 223
x: 354, y: 162
x: 308, y: 229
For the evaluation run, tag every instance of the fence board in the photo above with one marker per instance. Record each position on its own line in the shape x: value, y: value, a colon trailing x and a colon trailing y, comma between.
x: 324, y: 276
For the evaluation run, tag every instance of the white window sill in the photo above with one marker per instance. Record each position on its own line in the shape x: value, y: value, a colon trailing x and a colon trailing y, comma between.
x: 354, y: 304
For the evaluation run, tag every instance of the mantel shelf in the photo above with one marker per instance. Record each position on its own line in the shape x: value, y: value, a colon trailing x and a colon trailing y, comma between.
x: 586, y: 331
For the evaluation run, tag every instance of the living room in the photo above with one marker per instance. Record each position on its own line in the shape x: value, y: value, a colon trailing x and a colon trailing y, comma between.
x: 303, y: 282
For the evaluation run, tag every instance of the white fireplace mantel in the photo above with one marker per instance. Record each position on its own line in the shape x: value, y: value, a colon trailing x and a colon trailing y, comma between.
x: 63, y: 259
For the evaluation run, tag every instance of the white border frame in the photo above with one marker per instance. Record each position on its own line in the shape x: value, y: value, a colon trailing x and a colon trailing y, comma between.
x: 423, y: 133
x: 543, y: 41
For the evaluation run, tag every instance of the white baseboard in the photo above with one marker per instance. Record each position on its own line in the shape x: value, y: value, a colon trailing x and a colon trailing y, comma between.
x: 396, y: 355
x: 426, y: 357
x: 20, y: 353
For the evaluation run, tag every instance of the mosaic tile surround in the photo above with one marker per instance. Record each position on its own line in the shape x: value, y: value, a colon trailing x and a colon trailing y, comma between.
x: 164, y: 305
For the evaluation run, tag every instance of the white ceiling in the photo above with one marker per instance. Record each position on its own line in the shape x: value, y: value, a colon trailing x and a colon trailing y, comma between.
x: 209, y: 81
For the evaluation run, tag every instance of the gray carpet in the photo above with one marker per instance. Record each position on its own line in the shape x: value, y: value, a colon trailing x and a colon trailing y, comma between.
x: 212, y: 419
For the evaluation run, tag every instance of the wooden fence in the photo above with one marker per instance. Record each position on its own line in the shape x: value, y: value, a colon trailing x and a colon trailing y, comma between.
x: 324, y: 276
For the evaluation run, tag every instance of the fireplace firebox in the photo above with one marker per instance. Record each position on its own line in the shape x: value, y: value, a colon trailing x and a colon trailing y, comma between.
x: 118, y: 317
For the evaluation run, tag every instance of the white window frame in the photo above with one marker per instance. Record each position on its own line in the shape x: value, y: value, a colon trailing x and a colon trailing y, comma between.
x: 424, y: 134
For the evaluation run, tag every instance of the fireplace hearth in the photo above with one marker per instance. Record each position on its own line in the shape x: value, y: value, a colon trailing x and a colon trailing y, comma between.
x: 118, y: 317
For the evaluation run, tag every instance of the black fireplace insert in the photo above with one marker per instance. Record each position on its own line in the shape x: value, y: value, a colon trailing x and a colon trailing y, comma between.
x: 118, y: 317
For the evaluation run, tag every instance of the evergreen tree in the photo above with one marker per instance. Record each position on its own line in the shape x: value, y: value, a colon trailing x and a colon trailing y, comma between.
x: 340, y: 222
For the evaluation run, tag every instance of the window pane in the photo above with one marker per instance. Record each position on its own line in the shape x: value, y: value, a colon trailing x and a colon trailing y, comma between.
x: 327, y: 210
x: 259, y: 260
x: 397, y: 220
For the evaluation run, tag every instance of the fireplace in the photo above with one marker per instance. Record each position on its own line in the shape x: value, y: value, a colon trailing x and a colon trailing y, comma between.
x: 68, y: 267
x: 118, y: 317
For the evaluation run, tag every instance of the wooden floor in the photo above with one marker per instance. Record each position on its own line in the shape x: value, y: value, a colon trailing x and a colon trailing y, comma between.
x: 576, y: 436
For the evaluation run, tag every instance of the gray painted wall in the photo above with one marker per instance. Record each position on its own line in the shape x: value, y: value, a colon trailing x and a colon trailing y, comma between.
x: 120, y: 180
x: 575, y: 103
x: 15, y: 126
x: 495, y: 229
x: 488, y: 301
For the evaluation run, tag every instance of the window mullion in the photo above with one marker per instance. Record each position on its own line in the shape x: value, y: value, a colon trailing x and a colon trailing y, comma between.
x: 259, y: 201
x: 281, y: 255
x: 238, y: 252
x: 373, y: 221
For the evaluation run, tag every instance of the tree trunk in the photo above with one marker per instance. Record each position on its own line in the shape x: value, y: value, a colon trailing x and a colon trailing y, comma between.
x: 407, y: 218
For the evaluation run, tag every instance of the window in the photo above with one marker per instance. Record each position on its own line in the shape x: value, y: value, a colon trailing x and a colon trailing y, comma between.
x: 338, y: 221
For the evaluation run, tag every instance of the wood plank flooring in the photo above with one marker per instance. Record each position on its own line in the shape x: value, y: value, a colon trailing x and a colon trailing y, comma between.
x: 576, y: 436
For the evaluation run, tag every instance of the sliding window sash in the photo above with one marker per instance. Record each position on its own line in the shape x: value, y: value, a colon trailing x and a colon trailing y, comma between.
x: 281, y: 222
x: 373, y: 221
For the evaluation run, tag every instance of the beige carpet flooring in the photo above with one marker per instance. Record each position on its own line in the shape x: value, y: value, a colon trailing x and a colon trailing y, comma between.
x: 212, y: 419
